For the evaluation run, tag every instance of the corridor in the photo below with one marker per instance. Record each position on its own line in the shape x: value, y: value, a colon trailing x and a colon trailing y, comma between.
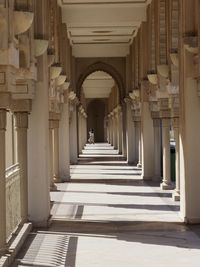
x: 108, y: 216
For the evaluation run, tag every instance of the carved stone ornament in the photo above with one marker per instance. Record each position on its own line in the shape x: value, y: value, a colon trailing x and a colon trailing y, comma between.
x: 60, y: 80
x: 55, y: 72
x: 22, y: 21
x: 153, y: 78
x: 51, y: 59
x: 40, y: 46
x: 174, y: 59
x: 191, y: 44
x: 72, y: 96
x: 163, y: 70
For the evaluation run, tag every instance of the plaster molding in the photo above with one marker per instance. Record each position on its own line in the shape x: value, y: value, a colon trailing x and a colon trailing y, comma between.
x: 191, y: 44
x: 55, y: 72
x: 40, y: 46
x: 174, y: 59
x: 61, y: 80
x: 153, y: 78
x: 51, y: 59
x: 22, y: 21
x: 163, y: 70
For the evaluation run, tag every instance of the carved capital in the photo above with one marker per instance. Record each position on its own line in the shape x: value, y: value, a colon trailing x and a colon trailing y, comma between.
x: 166, y: 122
x: 156, y: 122
x: 2, y: 119
x: 5, y: 100
x: 175, y: 122
x: 21, y: 120
x: 21, y: 105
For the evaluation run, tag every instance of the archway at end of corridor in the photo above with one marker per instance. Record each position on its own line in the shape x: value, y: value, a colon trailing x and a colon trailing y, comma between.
x: 95, y: 119
x: 100, y: 98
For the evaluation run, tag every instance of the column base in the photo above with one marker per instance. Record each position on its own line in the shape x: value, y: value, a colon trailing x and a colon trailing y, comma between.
x: 42, y: 224
x: 166, y: 186
x: 53, y: 187
x: 191, y: 220
x: 57, y: 179
x: 139, y: 165
x: 176, y: 196
x: 66, y: 179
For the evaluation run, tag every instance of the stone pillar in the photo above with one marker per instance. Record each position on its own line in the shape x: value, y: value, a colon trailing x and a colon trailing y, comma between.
x: 73, y: 137
x: 64, y: 149
x: 85, y: 130
x: 51, y: 173
x: 111, y: 130
x: 38, y: 148
x: 157, y: 149
x: 130, y: 136
x: 120, y: 129
x: 176, y: 194
x: 147, y: 140
x: 56, y: 152
x: 166, y: 183
x: 21, y: 124
x: 138, y: 147
x: 80, y: 130
x: 2, y: 182
x: 115, y: 131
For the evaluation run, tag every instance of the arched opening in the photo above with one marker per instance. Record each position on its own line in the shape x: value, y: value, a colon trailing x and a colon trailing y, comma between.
x: 95, y: 120
x: 100, y: 97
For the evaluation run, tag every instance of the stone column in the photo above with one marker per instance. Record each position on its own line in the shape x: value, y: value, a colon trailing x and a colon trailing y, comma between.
x: 120, y: 132
x: 85, y: 129
x: 166, y: 183
x: 56, y: 151
x: 157, y: 149
x: 2, y: 182
x: 73, y: 137
x: 176, y: 194
x: 147, y: 142
x: 38, y: 148
x: 138, y: 147
x: 115, y: 130
x: 111, y: 130
x: 80, y: 129
x: 64, y: 147
x: 51, y: 170
x: 21, y: 124
x: 130, y: 135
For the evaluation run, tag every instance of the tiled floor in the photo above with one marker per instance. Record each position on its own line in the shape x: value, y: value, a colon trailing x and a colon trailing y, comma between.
x: 107, y: 216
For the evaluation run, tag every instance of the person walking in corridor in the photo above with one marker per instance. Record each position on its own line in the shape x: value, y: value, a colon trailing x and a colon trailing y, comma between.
x: 91, y: 136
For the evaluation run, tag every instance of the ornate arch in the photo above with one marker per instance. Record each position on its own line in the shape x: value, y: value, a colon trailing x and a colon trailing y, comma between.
x: 101, y: 66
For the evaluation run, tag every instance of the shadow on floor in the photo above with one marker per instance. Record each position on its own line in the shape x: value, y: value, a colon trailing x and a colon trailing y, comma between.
x: 153, y: 233
x: 142, y: 194
x: 155, y: 207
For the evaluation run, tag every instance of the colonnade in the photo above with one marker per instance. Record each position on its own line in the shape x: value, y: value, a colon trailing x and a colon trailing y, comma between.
x: 114, y: 128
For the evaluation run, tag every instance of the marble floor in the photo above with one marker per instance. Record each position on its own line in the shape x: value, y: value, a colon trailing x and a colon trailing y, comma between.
x: 107, y: 216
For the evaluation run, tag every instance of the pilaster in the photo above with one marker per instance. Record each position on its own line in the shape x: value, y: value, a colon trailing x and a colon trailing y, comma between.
x: 2, y: 182
x: 21, y: 125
